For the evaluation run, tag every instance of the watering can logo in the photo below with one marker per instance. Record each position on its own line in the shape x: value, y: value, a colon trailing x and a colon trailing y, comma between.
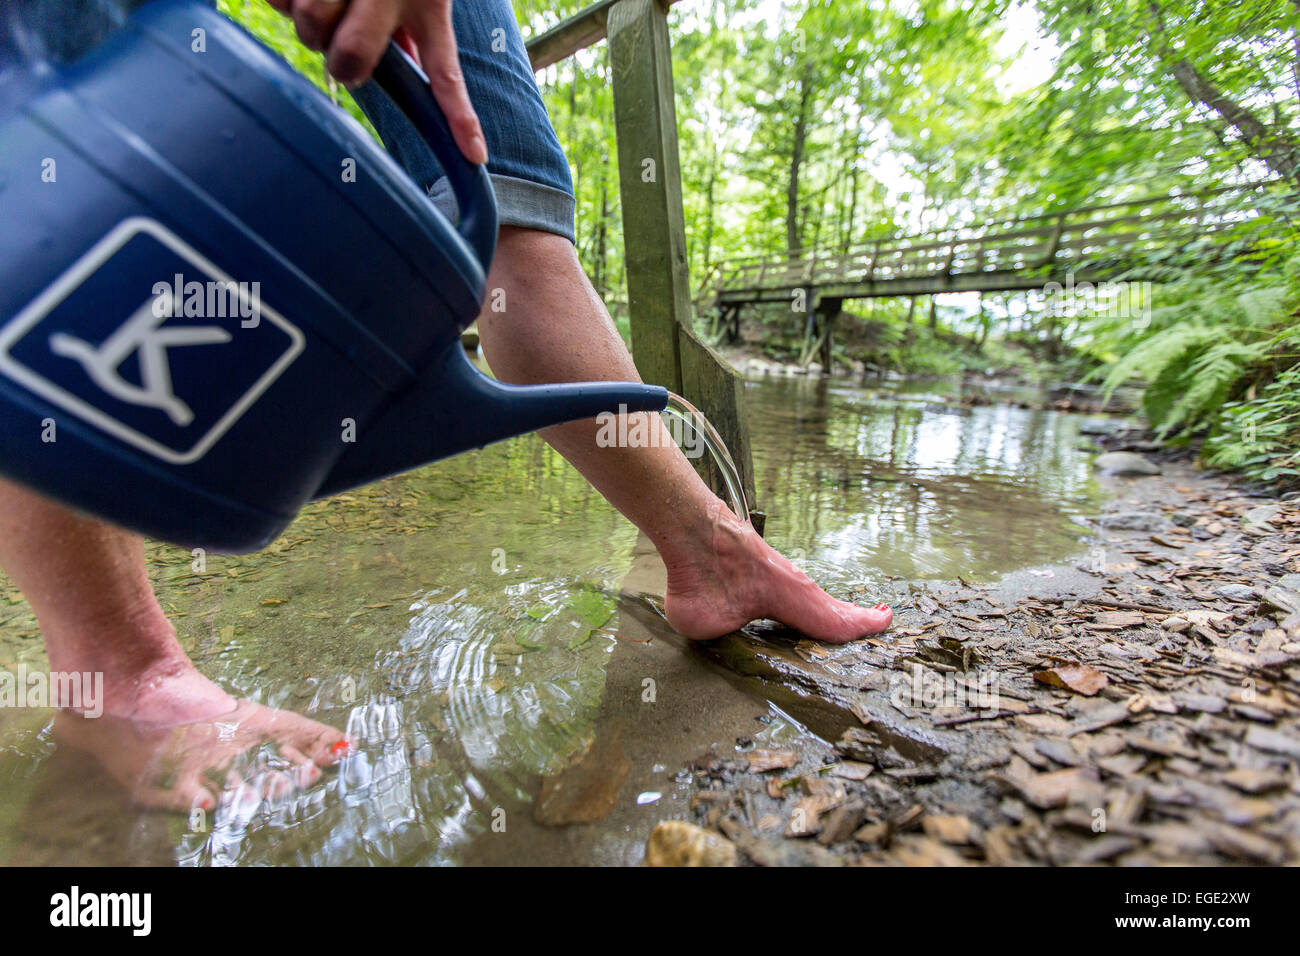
x: 156, y: 377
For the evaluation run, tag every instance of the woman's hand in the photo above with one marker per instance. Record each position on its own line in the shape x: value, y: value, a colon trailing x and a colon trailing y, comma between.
x: 354, y: 34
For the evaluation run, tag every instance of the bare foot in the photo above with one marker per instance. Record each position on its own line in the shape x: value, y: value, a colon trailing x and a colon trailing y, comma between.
x: 168, y: 735
x: 185, y: 766
x: 743, y: 578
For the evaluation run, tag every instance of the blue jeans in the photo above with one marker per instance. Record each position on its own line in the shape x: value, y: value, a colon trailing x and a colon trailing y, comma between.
x: 529, y: 171
x: 528, y: 168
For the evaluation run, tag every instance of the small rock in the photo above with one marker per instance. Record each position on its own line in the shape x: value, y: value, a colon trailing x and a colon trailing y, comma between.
x: 841, y: 823
x: 1101, y: 426
x: 1202, y: 703
x: 1261, y: 517
x: 1132, y: 521
x: 947, y: 828
x: 1125, y: 463
x: 1273, y: 741
x: 1049, y: 790
x: 677, y: 843
x: 1249, y: 780
x: 1245, y: 844
x: 852, y: 770
x: 1283, y: 598
x: 1235, y: 592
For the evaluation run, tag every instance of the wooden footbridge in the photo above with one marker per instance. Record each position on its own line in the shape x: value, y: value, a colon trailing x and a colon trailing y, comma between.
x: 1134, y: 240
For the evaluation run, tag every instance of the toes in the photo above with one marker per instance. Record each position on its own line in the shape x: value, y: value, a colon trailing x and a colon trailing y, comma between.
x: 323, y: 745
x: 189, y: 794
x: 304, y: 772
x: 875, y: 619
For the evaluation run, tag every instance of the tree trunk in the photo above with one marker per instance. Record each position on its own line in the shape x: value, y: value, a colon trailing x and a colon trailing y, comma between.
x: 1268, y: 144
x: 601, y: 282
x: 1272, y: 146
x: 792, y: 237
x: 985, y: 322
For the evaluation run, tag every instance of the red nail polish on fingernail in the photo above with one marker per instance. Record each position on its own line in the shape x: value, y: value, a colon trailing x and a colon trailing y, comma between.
x: 882, y: 607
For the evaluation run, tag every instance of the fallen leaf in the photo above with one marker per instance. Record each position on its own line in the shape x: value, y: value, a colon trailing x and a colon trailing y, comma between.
x: 1120, y: 619
x: 761, y: 761
x: 947, y: 828
x: 1080, y: 678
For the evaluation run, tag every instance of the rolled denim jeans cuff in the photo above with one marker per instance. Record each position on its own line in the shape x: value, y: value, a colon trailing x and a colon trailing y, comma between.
x: 520, y: 202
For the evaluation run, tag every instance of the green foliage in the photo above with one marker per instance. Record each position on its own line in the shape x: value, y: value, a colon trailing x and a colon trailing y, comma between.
x: 1218, y: 360
x: 1261, y: 435
x: 818, y: 124
x: 276, y: 31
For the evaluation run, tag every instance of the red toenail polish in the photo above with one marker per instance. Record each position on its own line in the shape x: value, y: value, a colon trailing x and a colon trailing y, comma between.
x: 339, y: 747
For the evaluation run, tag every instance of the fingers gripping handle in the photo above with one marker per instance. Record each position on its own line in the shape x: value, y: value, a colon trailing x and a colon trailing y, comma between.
x: 408, y: 87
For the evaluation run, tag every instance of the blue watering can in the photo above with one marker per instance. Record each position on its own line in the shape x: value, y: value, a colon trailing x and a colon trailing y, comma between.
x: 219, y: 298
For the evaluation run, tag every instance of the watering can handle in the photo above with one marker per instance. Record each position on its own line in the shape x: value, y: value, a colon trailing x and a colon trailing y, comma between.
x: 408, y: 87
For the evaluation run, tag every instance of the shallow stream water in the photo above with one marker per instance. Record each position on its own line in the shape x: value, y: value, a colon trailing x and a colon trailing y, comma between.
x: 464, y: 624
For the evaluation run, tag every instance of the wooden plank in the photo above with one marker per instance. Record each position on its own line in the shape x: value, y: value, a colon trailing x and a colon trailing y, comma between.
x: 650, y: 183
x: 585, y: 28
x: 713, y: 387
x: 664, y: 348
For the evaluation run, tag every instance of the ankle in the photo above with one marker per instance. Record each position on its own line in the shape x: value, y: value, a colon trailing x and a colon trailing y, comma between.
x: 709, y: 545
x: 137, y: 642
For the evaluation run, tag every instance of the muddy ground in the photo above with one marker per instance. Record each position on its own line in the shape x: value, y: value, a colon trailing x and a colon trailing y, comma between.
x: 1137, y: 708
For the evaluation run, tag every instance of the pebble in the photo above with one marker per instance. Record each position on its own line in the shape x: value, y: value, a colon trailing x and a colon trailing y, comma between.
x: 677, y: 843
x: 1132, y: 521
x: 1125, y: 463
x: 1235, y: 592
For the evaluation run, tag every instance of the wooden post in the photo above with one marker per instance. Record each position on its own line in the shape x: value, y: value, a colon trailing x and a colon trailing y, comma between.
x: 650, y: 182
x: 654, y: 229
x: 871, y: 266
x: 1054, y: 243
x: 828, y: 310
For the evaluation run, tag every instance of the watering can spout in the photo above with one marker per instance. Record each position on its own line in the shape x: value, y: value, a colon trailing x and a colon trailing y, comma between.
x: 455, y: 408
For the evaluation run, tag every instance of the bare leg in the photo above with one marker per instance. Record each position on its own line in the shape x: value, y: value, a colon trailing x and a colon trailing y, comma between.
x: 87, y: 584
x: 721, y: 574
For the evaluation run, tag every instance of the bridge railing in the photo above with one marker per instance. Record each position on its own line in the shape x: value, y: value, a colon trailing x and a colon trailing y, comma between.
x: 1055, y: 241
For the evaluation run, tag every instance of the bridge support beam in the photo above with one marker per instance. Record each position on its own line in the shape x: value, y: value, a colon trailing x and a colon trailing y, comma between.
x: 828, y: 310
x: 819, y: 330
x: 665, y: 349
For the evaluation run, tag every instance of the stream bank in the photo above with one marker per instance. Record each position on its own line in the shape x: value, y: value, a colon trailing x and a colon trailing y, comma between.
x: 1137, y: 707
